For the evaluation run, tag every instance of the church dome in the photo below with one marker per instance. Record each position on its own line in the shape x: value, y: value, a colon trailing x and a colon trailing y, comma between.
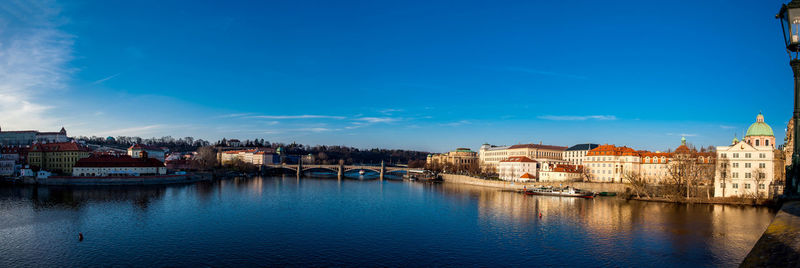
x: 759, y: 128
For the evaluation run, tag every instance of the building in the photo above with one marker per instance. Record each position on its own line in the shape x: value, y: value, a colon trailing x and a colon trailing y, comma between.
x: 608, y: 163
x: 106, y: 165
x: 490, y: 155
x: 256, y: 157
x: 28, y: 137
x: 575, y: 154
x: 751, y: 167
x: 560, y: 173
x: 56, y: 157
x: 136, y: 150
x: 461, y: 157
x: 518, y: 168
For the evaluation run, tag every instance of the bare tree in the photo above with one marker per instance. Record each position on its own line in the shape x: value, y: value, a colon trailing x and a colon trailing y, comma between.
x: 206, y: 158
x: 759, y: 177
x: 724, y: 173
x: 637, y: 182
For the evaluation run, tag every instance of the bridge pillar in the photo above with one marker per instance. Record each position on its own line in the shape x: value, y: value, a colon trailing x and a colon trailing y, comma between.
x: 300, y: 169
x: 341, y: 171
x: 383, y: 169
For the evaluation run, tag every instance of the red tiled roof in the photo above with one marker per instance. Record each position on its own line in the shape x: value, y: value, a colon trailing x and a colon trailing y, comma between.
x: 539, y: 146
x: 117, y: 161
x: 518, y: 159
x: 527, y: 176
x: 58, y: 147
x: 606, y: 149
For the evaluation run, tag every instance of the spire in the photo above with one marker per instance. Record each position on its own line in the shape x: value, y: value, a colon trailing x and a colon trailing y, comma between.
x: 760, y: 118
x: 683, y: 141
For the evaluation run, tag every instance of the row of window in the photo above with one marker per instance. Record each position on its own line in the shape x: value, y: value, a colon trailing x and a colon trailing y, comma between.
x: 746, y: 165
x: 746, y: 185
x: 746, y: 155
x: 747, y: 175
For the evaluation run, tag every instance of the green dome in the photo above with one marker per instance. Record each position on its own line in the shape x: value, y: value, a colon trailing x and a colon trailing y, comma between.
x: 759, y: 128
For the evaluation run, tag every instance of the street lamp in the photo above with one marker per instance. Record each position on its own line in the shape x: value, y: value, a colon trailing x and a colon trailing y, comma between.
x: 789, y: 15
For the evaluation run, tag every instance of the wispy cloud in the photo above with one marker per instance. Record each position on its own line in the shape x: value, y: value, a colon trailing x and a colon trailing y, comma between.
x: 132, y: 131
x: 577, y: 117
x: 390, y: 111
x: 682, y: 134
x: 33, y: 55
x: 455, y: 124
x: 378, y: 119
x: 304, y: 116
x: 100, y: 81
x: 546, y: 73
x: 726, y: 127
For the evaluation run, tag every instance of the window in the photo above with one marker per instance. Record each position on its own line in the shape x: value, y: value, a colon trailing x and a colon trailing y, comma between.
x: 747, y: 155
x: 747, y: 165
x: 756, y: 142
x: 723, y: 155
x: 761, y: 186
x: 735, y: 186
x: 722, y: 185
x: 762, y: 165
x: 736, y: 165
x: 748, y: 175
x: 762, y: 155
x: 735, y: 175
x: 762, y: 175
x: 735, y: 155
x: 747, y: 186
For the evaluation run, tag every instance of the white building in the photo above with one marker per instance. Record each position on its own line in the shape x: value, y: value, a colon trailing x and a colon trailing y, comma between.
x: 560, y: 173
x: 117, y: 165
x: 749, y: 168
x: 518, y: 168
x: 136, y: 150
x: 250, y: 156
x: 576, y: 154
x: 490, y: 155
x: 608, y: 163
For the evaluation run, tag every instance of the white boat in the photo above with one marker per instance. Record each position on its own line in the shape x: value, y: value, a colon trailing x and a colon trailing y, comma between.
x: 361, y: 172
x: 566, y: 191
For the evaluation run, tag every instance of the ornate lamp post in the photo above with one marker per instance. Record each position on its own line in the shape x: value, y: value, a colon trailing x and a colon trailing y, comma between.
x: 789, y: 16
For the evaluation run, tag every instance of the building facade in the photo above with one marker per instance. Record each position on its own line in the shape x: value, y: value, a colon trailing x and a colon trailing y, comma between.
x: 560, y: 173
x: 574, y: 155
x: 752, y: 167
x: 107, y: 165
x: 460, y: 157
x: 490, y: 156
x: 56, y: 157
x: 154, y: 152
x: 28, y: 137
x: 518, y: 168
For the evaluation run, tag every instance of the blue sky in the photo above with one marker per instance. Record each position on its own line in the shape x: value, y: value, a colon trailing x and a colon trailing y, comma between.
x: 427, y: 75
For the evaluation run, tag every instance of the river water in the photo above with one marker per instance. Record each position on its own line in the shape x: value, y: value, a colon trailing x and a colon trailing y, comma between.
x: 283, y: 221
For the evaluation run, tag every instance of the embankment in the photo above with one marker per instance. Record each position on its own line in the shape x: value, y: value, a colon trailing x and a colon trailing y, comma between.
x: 506, y: 185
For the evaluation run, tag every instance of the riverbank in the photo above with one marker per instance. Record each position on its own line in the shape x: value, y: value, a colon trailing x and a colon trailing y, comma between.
x: 598, y: 187
x: 130, y: 180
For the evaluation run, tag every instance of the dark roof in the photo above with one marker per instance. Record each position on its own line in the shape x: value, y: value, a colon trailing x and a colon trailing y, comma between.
x: 583, y: 147
x: 144, y: 147
x: 117, y: 161
x: 538, y: 146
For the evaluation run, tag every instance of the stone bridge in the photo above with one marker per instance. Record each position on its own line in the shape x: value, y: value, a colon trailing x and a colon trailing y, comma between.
x: 338, y: 169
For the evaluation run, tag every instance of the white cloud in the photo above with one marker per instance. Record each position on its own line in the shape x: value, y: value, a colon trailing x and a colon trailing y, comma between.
x: 378, y: 119
x: 577, y: 117
x: 100, y: 81
x: 455, y: 124
x: 132, y: 131
x: 33, y: 55
x: 726, y: 127
x: 682, y: 134
x: 304, y: 116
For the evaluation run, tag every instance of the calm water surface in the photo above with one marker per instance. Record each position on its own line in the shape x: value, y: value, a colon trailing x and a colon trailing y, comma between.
x: 283, y: 221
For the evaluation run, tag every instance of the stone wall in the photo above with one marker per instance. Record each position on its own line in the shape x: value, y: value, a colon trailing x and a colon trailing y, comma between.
x: 779, y: 246
x: 507, y: 185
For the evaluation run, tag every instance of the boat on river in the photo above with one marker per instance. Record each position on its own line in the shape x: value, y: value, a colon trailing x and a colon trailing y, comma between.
x: 566, y: 191
x: 362, y: 172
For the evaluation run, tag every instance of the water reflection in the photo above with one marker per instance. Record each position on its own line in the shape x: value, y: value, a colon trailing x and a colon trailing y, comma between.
x: 279, y: 221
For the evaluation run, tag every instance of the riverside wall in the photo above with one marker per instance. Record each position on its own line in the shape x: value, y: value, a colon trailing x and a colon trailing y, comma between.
x: 507, y: 185
x: 132, y: 180
x: 779, y: 246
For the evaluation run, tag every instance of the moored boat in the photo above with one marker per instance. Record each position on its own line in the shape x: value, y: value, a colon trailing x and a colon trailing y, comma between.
x: 566, y: 191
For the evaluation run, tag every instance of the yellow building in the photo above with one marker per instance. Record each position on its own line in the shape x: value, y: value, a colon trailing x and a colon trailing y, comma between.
x: 57, y: 157
x: 459, y: 157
